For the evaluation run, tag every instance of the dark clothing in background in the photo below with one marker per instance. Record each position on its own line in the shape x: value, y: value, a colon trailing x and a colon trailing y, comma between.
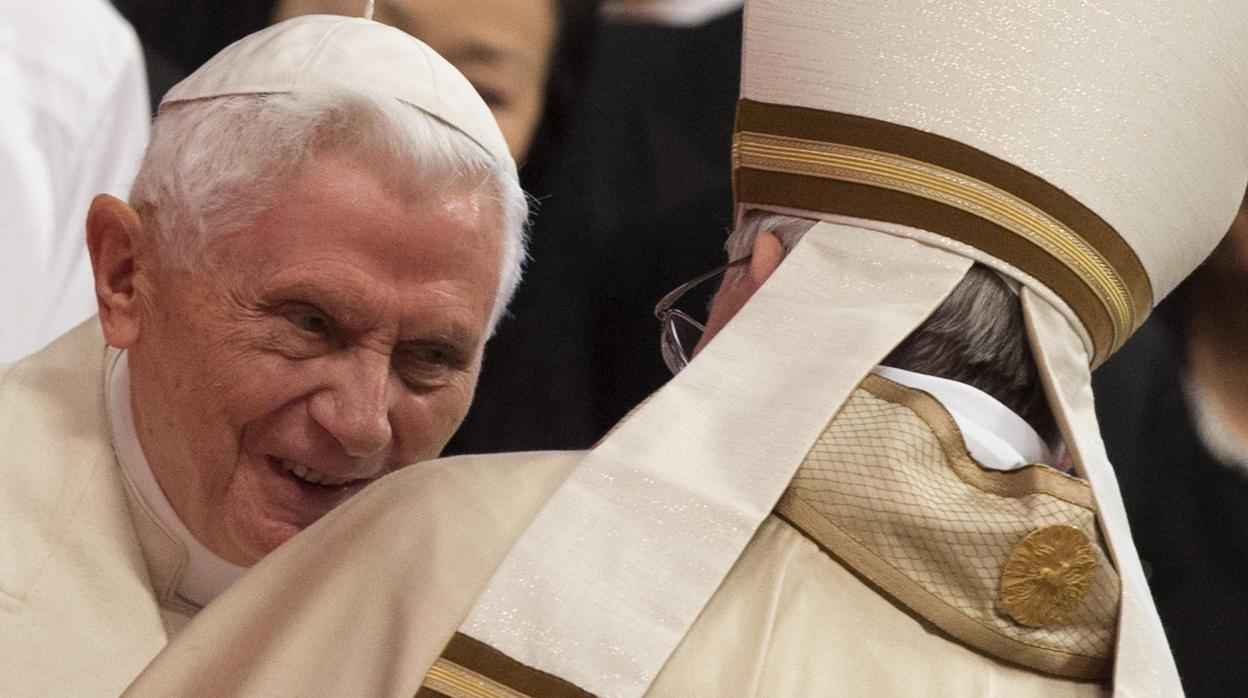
x: 636, y: 201
x: 1188, y: 512
x: 178, y: 37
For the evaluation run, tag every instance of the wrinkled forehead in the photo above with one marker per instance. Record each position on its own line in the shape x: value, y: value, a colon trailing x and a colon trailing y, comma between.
x: 336, y: 238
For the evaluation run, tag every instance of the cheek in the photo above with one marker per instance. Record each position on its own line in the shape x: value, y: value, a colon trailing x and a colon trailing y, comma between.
x: 424, y: 423
x: 514, y: 132
x: 263, y: 386
x: 518, y: 122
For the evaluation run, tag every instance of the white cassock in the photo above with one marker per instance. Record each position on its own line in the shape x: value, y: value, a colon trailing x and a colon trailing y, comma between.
x: 96, y: 570
x: 74, y: 124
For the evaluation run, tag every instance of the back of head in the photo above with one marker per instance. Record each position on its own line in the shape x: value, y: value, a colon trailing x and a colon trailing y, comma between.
x: 976, y: 336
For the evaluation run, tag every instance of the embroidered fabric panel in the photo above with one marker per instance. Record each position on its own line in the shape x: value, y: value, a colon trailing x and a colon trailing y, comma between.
x: 880, y: 474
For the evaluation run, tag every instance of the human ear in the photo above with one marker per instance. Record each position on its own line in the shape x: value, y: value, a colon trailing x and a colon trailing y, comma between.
x: 113, y: 239
x: 736, y: 291
x: 767, y: 254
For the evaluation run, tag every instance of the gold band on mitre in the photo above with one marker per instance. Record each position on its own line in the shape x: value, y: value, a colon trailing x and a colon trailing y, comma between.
x: 866, y: 168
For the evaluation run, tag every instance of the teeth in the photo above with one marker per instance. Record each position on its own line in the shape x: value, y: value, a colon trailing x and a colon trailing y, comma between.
x: 308, y: 475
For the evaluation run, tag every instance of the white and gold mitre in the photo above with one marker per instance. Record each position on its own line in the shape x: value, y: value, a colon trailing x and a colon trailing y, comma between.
x: 1097, y: 152
x: 1093, y: 152
x: 318, y: 50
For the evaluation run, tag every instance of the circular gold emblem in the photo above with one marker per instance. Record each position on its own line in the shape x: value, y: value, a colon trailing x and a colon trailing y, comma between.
x: 1047, y: 575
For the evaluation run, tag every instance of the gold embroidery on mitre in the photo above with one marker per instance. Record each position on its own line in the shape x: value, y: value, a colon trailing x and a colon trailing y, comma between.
x: 1047, y: 575
x: 876, y: 168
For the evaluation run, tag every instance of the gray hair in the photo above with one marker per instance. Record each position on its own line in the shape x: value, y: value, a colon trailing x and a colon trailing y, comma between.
x: 213, y: 166
x: 976, y: 336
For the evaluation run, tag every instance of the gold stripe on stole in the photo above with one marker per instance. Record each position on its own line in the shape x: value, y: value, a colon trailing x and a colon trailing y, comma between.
x: 449, y: 679
x: 469, y: 668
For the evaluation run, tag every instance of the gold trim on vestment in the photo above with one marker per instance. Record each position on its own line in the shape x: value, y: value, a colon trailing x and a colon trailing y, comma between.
x: 856, y: 166
x: 910, y: 593
x: 1047, y: 575
x: 477, y: 670
x: 453, y: 681
x: 1030, y: 479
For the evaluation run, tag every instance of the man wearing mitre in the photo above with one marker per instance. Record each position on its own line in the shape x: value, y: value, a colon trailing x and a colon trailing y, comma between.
x: 946, y: 218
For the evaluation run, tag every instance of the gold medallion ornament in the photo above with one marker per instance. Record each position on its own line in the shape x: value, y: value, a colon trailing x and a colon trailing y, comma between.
x: 1047, y: 575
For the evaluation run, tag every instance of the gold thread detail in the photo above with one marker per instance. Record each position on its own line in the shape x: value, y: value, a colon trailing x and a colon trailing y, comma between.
x: 1047, y: 575
x: 455, y: 681
x: 907, y: 175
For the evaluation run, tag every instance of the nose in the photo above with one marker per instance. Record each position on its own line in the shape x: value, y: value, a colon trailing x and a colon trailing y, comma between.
x: 355, y: 406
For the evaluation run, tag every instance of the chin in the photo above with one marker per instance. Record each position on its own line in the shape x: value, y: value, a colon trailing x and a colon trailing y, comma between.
x: 262, y: 540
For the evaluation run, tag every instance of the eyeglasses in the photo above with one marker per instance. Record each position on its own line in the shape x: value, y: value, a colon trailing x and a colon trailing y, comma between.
x: 679, y: 332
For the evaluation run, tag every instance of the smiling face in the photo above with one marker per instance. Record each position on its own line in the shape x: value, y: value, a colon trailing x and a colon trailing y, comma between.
x: 335, y: 339
x: 503, y: 47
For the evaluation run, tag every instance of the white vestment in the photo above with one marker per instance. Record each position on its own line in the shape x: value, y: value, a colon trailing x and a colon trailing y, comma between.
x: 92, y: 578
x: 789, y: 615
x: 74, y: 124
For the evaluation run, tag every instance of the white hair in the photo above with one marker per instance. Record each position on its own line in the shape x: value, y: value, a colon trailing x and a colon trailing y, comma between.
x: 213, y: 166
x: 789, y: 229
x: 976, y: 336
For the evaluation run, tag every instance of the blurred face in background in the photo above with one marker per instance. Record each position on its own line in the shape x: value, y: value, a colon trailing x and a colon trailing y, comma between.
x: 1231, y: 256
x: 1216, y: 290
x: 503, y: 47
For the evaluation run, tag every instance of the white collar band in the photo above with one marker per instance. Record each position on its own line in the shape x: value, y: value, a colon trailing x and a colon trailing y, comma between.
x: 995, y: 436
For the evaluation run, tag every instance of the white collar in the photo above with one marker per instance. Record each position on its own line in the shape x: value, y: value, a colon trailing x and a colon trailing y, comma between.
x: 995, y: 436
x: 206, y: 575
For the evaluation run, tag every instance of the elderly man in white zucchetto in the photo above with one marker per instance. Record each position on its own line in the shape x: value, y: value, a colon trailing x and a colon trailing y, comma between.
x: 294, y: 302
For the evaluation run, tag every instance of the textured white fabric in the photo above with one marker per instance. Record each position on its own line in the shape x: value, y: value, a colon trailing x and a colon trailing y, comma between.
x: 73, y: 124
x: 614, y: 570
x: 1143, y: 665
x: 206, y: 575
x: 350, y: 51
x: 1137, y: 111
x: 995, y: 436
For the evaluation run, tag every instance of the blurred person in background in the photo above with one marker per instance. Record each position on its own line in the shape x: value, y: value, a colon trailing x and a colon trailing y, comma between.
x: 504, y: 48
x: 74, y: 124
x: 637, y: 198
x: 526, y: 58
x: 294, y: 302
x: 1173, y: 407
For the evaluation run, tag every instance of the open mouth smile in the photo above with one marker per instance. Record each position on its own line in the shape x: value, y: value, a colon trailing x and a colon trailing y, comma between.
x: 311, y: 476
